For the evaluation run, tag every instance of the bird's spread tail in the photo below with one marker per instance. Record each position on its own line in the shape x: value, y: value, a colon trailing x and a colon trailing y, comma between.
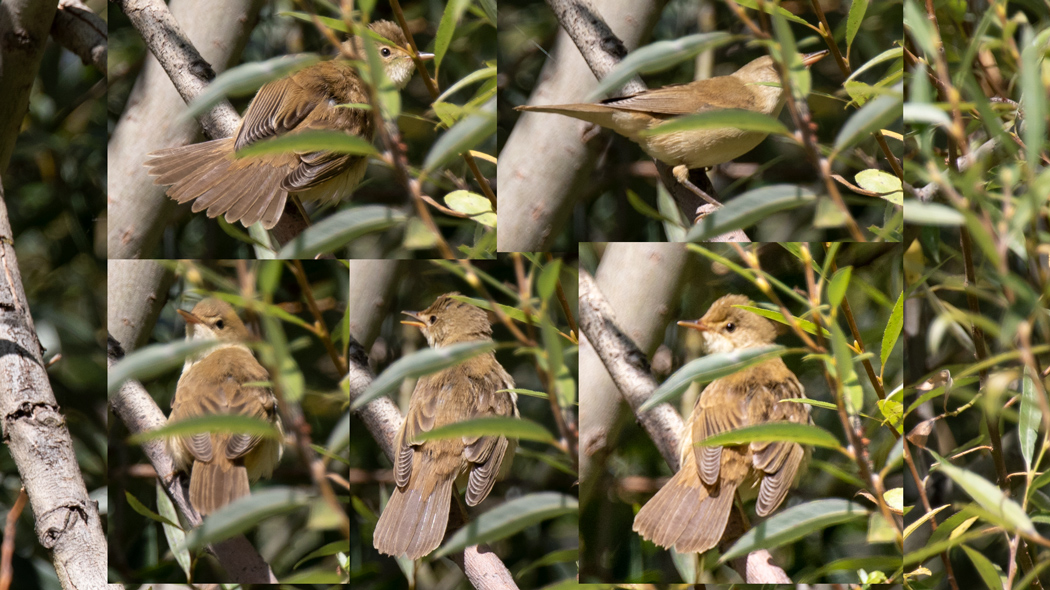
x: 207, y: 174
x: 213, y: 486
x: 413, y: 525
x: 685, y: 515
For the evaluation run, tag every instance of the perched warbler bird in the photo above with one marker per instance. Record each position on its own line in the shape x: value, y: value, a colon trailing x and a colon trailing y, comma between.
x: 414, y: 520
x: 690, y: 512
x: 255, y: 188
x: 754, y: 87
x: 222, y: 380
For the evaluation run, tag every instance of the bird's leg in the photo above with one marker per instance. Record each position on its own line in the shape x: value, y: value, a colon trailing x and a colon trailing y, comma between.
x: 681, y: 174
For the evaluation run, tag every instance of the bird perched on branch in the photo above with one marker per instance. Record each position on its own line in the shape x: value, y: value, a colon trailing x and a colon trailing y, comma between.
x: 254, y: 188
x: 690, y: 512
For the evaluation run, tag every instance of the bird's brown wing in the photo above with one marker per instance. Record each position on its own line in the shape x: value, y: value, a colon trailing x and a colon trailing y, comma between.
x: 683, y: 99
x: 485, y: 453
x: 720, y: 409
x: 278, y: 107
x: 777, y: 460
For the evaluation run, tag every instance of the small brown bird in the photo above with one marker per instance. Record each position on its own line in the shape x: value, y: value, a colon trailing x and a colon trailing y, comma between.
x: 754, y: 87
x: 220, y: 381
x: 255, y: 188
x: 690, y: 512
x: 413, y: 523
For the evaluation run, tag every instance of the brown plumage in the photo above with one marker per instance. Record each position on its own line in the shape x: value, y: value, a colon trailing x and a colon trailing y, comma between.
x: 754, y: 87
x: 690, y: 512
x: 221, y: 464
x: 255, y: 189
x: 414, y: 520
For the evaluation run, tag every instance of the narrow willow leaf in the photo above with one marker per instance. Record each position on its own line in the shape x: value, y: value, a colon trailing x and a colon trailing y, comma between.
x: 854, y: 20
x: 893, y: 330
x: 246, y: 79
x: 519, y: 428
x: 656, y: 57
x: 335, y: 231
x: 1029, y: 419
x: 718, y: 119
x: 709, y: 368
x: 463, y: 136
x: 309, y: 141
x: 838, y: 286
x: 213, y: 423
x: 919, y: 213
x: 245, y: 513
x: 510, y: 518
x: 988, y: 496
x: 992, y: 576
x: 418, y: 364
x: 153, y: 361
x: 877, y: 114
x: 805, y: 434
x: 794, y: 523
x: 173, y: 533
x: 750, y: 208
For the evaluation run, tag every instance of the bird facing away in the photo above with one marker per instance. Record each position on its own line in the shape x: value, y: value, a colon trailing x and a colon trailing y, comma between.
x: 754, y: 87
x: 414, y: 520
x: 222, y: 380
x: 690, y: 512
x: 254, y: 189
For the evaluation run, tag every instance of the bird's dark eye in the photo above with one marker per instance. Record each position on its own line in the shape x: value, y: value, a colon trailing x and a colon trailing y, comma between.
x: 385, y: 52
x: 730, y: 327
x: 220, y: 324
x: 433, y: 319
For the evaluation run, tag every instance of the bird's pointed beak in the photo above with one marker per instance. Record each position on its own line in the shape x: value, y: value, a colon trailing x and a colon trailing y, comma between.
x: 696, y: 325
x: 189, y: 317
x: 430, y: 56
x: 414, y: 315
x: 812, y: 58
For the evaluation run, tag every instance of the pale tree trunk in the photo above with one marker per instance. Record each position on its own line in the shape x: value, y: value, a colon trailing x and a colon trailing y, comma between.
x: 67, y: 520
x: 138, y: 209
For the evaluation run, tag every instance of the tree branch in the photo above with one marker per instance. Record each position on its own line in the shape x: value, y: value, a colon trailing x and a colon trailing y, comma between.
x: 82, y: 32
x: 67, y: 520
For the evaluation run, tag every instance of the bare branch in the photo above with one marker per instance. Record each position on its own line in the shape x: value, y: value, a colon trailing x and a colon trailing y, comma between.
x: 81, y: 31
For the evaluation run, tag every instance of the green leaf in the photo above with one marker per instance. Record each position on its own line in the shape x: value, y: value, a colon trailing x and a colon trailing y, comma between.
x: 847, y: 376
x: 708, y: 368
x: 877, y: 114
x: 719, y: 119
x: 473, y: 204
x: 988, y: 496
x: 558, y: 556
x: 173, y: 533
x: 805, y: 434
x: 1028, y: 421
x: 309, y: 141
x: 750, y: 208
x: 421, y: 363
x: 990, y: 573
x: 772, y: 8
x: 141, y: 509
x: 449, y: 19
x: 342, y: 546
x: 519, y: 428
x: 484, y: 73
x: 153, y: 361
x: 794, y: 523
x: 893, y: 330
x: 245, y: 513
x: 918, y: 213
x: 335, y: 231
x: 925, y: 114
x: 886, y: 185
x: 548, y: 280
x: 245, y: 80
x: 510, y: 518
x: 213, y: 423
x: 657, y: 57
x: 854, y: 20
x: 777, y: 316
x: 838, y: 285
x: 461, y: 137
